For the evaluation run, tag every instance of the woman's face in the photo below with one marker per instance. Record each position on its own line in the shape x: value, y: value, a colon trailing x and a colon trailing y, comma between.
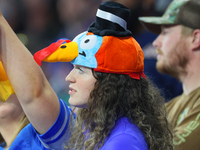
x: 82, y: 83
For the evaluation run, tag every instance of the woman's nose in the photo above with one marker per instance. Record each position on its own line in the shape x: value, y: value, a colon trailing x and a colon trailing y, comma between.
x: 69, y: 77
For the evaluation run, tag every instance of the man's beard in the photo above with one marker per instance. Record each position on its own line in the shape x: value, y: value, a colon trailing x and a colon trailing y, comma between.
x: 164, y: 69
x: 172, y: 69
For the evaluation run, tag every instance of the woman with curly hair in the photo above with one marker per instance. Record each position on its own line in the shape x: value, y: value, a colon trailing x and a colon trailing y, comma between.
x: 121, y: 113
x: 118, y: 108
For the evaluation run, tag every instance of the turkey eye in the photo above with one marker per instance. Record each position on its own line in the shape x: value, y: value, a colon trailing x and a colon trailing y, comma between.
x: 88, y: 42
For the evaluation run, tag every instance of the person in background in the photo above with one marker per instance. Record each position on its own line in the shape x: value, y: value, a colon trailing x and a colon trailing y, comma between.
x: 178, y: 55
x: 12, y: 116
x: 116, y: 102
x: 12, y: 122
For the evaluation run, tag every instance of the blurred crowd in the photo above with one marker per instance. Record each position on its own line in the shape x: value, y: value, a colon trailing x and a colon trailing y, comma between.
x: 41, y: 22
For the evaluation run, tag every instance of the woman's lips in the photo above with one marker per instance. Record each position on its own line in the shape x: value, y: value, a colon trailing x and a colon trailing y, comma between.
x: 71, y: 91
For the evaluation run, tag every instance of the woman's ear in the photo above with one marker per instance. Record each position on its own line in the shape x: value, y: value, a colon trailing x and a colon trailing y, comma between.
x: 196, y: 39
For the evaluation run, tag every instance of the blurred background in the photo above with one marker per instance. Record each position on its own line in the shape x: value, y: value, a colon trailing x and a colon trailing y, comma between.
x: 38, y: 23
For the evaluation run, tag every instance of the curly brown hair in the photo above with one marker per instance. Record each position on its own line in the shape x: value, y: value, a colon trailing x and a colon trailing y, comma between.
x: 116, y: 95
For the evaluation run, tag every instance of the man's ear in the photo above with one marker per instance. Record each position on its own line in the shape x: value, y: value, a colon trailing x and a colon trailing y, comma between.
x: 196, y: 39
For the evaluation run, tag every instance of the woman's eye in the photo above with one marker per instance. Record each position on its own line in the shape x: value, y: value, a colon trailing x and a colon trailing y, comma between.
x: 79, y: 69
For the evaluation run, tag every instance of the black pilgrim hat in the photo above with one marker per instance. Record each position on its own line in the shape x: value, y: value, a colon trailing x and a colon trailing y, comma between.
x: 111, y: 20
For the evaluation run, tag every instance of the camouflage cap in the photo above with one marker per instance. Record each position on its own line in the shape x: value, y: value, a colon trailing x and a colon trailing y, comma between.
x: 185, y: 12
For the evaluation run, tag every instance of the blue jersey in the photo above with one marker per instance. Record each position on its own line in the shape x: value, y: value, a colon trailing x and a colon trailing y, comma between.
x: 29, y: 139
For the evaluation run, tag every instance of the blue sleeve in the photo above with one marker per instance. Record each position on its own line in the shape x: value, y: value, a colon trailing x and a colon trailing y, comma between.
x: 124, y: 141
x: 59, y: 133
